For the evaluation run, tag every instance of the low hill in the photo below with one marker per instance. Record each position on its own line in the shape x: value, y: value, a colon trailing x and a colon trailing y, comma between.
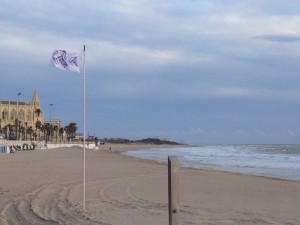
x: 156, y: 141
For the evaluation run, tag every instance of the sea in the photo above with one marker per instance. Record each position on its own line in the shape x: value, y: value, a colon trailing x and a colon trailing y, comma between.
x: 273, y: 161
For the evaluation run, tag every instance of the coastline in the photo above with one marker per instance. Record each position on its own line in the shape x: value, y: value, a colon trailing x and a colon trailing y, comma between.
x: 119, y: 148
x: 46, y: 185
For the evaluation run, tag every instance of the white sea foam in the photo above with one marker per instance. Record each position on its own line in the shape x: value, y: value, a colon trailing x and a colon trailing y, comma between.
x: 278, y: 161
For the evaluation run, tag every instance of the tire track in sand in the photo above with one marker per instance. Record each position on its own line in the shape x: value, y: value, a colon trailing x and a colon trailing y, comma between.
x: 46, y: 205
x: 119, y: 194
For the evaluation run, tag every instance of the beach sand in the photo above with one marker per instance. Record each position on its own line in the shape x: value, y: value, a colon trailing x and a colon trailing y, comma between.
x: 46, y: 187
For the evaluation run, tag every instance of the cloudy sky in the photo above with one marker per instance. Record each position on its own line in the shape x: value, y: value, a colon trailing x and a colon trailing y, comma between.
x: 193, y: 71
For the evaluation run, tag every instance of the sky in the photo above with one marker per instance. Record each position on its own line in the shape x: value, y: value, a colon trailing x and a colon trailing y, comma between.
x: 198, y: 72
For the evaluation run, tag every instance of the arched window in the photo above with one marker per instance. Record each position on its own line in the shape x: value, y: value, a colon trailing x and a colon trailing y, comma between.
x: 5, y: 114
x: 13, y: 114
x: 28, y: 115
x: 21, y: 115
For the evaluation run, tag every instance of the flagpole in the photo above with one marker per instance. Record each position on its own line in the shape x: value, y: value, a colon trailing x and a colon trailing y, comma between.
x: 84, y: 127
x: 72, y: 62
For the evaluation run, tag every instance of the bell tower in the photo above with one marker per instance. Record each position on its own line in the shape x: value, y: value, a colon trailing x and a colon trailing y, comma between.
x: 37, y: 109
x: 36, y: 101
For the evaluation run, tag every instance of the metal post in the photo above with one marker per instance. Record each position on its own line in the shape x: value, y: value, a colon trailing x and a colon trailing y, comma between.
x: 173, y: 190
x: 17, y: 130
x: 50, y: 123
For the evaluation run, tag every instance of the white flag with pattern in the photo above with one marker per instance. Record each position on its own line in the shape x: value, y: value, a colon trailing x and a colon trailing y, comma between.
x: 66, y: 61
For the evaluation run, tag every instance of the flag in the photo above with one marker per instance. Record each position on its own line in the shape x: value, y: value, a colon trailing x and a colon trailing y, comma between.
x: 66, y: 61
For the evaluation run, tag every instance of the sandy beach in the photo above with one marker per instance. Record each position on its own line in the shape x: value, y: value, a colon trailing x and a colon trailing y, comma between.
x: 46, y: 187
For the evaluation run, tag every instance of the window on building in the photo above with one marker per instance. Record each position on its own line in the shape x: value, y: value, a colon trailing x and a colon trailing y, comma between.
x: 5, y: 114
x: 13, y: 114
x: 28, y: 115
x: 21, y: 115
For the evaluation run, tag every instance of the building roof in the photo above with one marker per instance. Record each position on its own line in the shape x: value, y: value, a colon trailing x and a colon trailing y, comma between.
x: 13, y: 103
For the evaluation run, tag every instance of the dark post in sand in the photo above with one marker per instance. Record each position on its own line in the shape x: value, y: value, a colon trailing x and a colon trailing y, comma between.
x: 173, y: 190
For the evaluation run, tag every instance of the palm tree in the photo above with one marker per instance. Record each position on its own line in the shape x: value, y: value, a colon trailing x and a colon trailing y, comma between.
x: 38, y: 112
x: 61, y: 133
x: 71, y: 130
x: 26, y: 124
x: 34, y: 135
x: 47, y: 130
x: 38, y: 126
x: 22, y: 131
x: 30, y: 131
x: 55, y: 128
x: 43, y: 130
x: 17, y: 124
x: 5, y: 130
x: 10, y: 130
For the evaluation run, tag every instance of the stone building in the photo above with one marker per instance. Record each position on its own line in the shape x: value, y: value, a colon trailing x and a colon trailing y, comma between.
x: 26, y: 113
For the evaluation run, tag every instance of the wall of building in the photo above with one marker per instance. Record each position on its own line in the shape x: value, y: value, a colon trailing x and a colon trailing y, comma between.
x: 26, y: 113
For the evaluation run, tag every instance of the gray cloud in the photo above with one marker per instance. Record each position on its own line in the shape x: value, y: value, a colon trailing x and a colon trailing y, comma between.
x: 278, y: 38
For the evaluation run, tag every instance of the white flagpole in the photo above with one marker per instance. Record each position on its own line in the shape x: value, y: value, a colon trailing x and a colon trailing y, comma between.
x: 84, y: 127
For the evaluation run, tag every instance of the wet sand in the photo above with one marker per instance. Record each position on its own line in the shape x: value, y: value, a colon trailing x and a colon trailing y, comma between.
x: 46, y: 187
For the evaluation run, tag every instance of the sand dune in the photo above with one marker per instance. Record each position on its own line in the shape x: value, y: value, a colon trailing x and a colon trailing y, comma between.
x: 46, y: 187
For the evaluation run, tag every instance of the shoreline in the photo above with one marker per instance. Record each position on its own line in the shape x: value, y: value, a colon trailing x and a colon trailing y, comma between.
x: 144, y: 147
x: 46, y: 185
x: 136, y: 146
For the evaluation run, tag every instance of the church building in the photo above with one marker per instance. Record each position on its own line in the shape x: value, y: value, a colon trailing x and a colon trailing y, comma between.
x: 26, y: 113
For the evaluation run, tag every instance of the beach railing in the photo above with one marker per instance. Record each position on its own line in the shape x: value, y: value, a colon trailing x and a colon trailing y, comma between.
x: 173, y: 190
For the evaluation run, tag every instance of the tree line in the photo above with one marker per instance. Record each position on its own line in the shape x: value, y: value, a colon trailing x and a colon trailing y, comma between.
x: 46, y: 131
